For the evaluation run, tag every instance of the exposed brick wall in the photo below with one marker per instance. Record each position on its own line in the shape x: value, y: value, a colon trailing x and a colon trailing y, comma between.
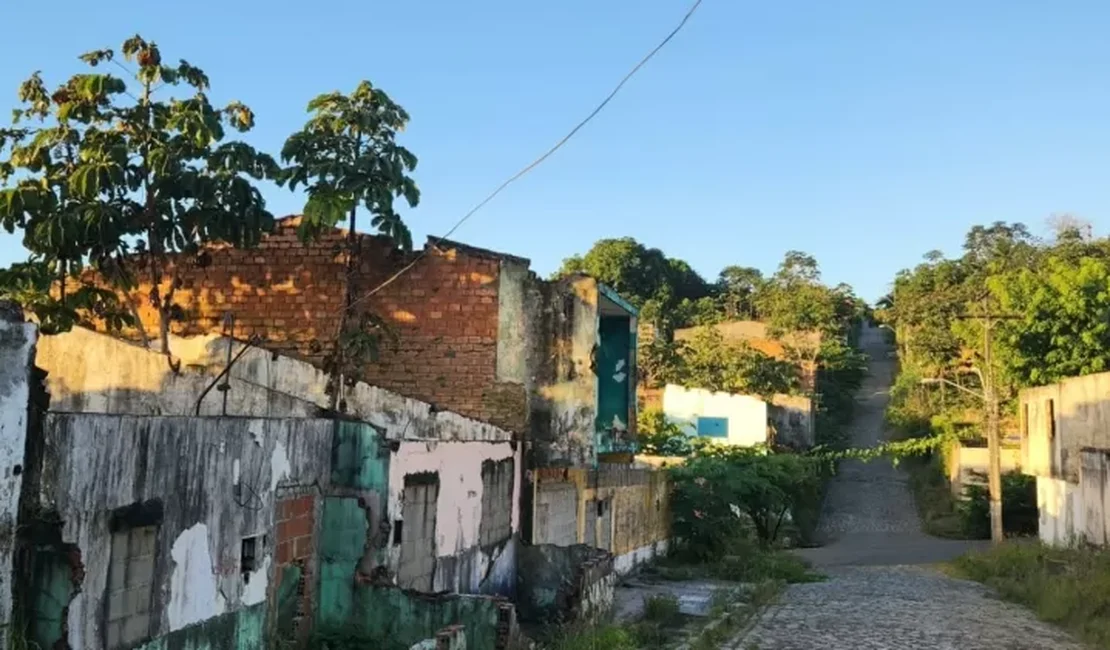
x: 295, y: 523
x: 443, y: 312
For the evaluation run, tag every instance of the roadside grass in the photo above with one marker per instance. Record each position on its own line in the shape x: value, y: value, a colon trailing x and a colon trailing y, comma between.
x: 936, y: 505
x: 662, y: 626
x: 1066, y: 587
x: 747, y: 563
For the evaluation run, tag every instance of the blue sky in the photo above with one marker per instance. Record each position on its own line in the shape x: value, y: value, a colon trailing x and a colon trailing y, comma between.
x: 864, y: 132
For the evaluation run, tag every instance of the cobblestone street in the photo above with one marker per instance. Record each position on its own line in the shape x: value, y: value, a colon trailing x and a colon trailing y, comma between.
x: 881, y: 591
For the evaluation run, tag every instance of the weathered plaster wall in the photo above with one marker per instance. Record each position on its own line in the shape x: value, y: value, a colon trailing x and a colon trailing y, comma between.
x: 462, y: 564
x: 969, y: 465
x: 623, y: 511
x: 746, y: 415
x: 1094, y: 493
x: 1062, y: 419
x: 17, y: 350
x: 565, y: 584
x: 94, y: 373
x: 1063, y: 517
x: 565, y: 410
x: 793, y: 418
x: 205, y: 483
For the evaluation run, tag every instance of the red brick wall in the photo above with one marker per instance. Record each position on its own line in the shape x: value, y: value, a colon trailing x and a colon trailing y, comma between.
x: 443, y: 311
x: 294, y: 519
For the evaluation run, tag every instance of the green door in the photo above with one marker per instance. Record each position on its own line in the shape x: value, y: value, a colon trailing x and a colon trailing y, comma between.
x: 614, y: 372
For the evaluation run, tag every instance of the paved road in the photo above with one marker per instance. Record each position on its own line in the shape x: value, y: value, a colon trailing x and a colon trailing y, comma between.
x: 881, y: 593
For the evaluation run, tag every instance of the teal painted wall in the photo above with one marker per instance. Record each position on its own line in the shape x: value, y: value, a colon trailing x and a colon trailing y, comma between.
x: 358, y: 459
x: 615, y: 366
x: 396, y: 618
x: 359, y: 462
x: 241, y: 630
x: 52, y: 589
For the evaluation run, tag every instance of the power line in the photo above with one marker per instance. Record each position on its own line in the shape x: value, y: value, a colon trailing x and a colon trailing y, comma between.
x: 536, y: 163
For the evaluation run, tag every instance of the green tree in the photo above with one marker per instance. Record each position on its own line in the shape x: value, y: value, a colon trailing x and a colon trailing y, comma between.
x: 668, y: 291
x: 739, y: 286
x: 347, y: 157
x: 101, y: 175
x: 707, y: 361
x: 794, y: 300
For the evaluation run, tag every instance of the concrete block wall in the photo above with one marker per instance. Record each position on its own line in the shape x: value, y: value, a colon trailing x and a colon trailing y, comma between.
x: 633, y: 522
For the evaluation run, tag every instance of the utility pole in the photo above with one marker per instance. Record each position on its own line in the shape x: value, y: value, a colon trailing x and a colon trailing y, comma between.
x: 990, y: 403
x: 994, y: 443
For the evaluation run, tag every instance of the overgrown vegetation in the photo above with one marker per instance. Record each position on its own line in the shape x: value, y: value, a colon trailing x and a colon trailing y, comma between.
x: 111, y: 178
x: 1068, y: 587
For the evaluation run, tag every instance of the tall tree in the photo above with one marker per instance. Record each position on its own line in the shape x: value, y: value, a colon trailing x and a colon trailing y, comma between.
x: 124, y: 180
x: 348, y: 159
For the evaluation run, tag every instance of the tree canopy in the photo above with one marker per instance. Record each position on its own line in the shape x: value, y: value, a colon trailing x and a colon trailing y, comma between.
x: 118, y: 173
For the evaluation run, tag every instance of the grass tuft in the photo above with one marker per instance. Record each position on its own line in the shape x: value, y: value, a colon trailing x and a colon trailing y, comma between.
x: 1067, y: 587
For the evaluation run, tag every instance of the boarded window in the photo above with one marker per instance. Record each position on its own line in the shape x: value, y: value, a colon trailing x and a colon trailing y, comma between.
x: 418, y: 537
x: 130, y: 581
x: 497, y: 501
x: 713, y: 427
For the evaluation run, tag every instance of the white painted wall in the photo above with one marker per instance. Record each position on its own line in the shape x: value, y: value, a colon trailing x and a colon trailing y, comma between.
x: 1063, y: 517
x: 17, y: 345
x: 747, y: 415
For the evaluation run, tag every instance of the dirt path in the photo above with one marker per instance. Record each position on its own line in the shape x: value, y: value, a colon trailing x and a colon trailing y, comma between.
x: 881, y: 593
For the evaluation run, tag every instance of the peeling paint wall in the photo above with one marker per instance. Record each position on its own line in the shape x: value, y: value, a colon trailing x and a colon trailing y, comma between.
x: 205, y: 484
x: 565, y: 584
x: 621, y: 510
x: 462, y: 563
x: 17, y: 345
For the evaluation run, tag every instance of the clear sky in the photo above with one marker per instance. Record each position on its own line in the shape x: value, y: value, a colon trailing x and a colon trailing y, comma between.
x: 864, y: 132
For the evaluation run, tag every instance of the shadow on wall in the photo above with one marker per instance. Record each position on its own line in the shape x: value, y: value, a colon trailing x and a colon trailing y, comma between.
x: 564, y: 584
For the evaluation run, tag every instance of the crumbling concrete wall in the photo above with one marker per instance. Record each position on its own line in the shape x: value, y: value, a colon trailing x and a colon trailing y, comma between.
x: 564, y: 405
x: 565, y: 584
x: 463, y: 560
x: 17, y: 345
x: 625, y: 511
x: 167, y: 522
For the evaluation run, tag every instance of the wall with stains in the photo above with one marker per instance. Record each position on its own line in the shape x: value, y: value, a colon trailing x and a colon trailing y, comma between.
x: 17, y: 345
x: 565, y: 393
x: 625, y: 511
x: 202, y: 490
x: 462, y: 563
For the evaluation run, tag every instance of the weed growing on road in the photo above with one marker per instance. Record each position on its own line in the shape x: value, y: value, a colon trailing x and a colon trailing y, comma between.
x: 1068, y: 587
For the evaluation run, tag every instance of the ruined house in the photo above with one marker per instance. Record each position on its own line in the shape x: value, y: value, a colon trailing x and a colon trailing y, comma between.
x: 1065, y: 444
x: 227, y: 500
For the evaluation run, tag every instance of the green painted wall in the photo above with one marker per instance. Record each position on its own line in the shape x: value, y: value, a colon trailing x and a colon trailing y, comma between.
x: 241, y: 630
x: 359, y: 462
x: 358, y: 459
x: 396, y: 618
x: 613, y: 376
x: 343, y: 531
x: 52, y: 589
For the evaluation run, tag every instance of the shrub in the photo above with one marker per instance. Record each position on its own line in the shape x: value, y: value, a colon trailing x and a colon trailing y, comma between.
x: 722, y: 492
x: 659, y: 437
x: 662, y: 609
x: 1019, y: 507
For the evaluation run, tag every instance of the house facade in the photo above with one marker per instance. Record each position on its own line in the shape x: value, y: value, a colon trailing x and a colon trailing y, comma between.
x: 1065, y: 444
